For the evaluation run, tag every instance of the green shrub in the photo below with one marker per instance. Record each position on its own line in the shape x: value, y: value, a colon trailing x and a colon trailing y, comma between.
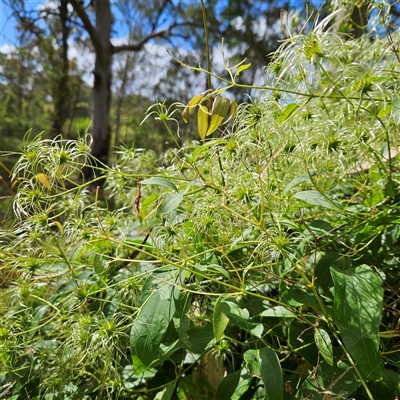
x: 259, y: 264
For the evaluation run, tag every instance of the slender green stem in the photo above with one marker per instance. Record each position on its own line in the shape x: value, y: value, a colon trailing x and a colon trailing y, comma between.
x: 208, y: 54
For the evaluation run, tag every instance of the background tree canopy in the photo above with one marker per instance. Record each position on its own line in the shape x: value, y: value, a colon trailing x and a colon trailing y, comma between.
x: 258, y: 260
x: 47, y: 78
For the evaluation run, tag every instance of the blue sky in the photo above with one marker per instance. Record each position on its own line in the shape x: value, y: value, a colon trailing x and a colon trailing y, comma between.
x: 7, y: 25
x: 7, y: 22
x: 8, y: 33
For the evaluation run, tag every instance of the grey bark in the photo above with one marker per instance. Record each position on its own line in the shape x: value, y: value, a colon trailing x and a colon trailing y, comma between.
x: 61, y: 92
x: 102, y: 82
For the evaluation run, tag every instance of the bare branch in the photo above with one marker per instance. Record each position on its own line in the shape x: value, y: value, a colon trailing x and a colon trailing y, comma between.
x: 98, y: 48
x: 159, y: 13
x: 160, y: 33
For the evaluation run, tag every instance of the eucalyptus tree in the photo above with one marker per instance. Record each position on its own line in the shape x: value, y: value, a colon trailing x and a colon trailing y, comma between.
x: 156, y: 20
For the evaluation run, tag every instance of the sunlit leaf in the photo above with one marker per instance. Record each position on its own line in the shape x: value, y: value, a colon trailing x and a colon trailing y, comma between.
x: 242, y: 68
x: 220, y: 320
x: 324, y: 344
x: 166, y: 393
x: 296, y: 181
x: 220, y: 108
x: 279, y: 312
x: 59, y: 226
x: 192, y: 103
x: 385, y: 110
x: 232, y: 309
x: 316, y: 198
x: 160, y: 182
x: 171, y: 202
x: 287, y: 112
x: 202, y: 121
x: 258, y: 330
x: 253, y: 363
x: 234, y: 107
x: 42, y: 178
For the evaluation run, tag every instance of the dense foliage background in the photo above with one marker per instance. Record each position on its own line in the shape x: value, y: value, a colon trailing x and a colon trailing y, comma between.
x: 259, y: 261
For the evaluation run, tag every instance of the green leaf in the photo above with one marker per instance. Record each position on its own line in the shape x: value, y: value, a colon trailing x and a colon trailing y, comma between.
x: 386, y: 388
x: 40, y: 312
x: 253, y: 363
x: 202, y: 121
x: 271, y: 374
x: 171, y: 202
x: 296, y: 181
x: 148, y: 330
x: 358, y: 303
x: 385, y: 110
x: 181, y: 319
x: 296, y: 296
x: 220, y: 320
x: 316, y: 199
x: 234, y: 385
x: 396, y: 110
x: 279, y: 312
x: 390, y: 189
x: 324, y: 344
x: 320, y: 227
x: 166, y: 393
x: 257, y: 331
x: 220, y: 108
x: 166, y: 351
x: 264, y: 364
x: 200, y: 338
x: 232, y: 309
x: 323, y: 277
x: 242, y: 68
x: 287, y: 112
x: 160, y: 182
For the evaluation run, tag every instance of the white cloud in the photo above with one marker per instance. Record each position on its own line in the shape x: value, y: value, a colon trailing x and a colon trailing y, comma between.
x: 84, y: 59
x: 7, y: 48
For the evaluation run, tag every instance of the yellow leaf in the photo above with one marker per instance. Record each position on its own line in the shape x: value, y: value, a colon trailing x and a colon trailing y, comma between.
x: 234, y: 108
x: 192, y: 103
x: 220, y: 109
x: 202, y: 121
x: 44, y: 180
x: 59, y: 226
x: 16, y: 182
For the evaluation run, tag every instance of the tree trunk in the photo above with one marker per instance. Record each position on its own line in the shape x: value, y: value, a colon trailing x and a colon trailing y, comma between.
x: 61, y: 90
x: 101, y: 129
x: 100, y: 35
